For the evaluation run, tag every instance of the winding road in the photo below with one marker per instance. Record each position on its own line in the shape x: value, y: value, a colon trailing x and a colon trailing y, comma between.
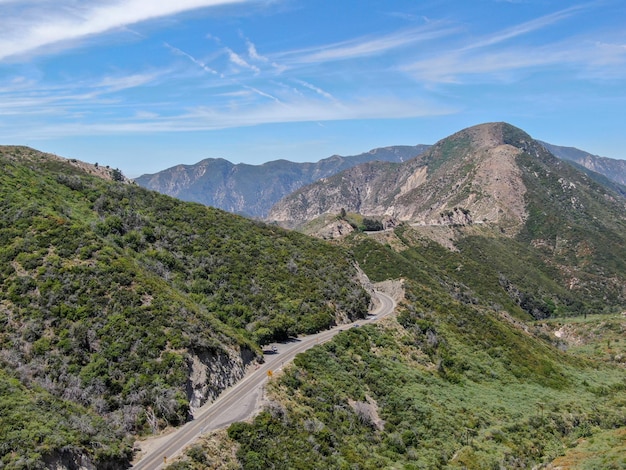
x: 238, y: 402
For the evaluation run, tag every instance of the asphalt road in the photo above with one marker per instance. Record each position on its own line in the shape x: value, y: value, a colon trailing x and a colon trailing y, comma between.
x: 238, y: 402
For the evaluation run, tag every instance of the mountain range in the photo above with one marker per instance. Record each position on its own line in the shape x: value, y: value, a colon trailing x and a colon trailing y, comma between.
x: 491, y: 176
x: 252, y: 190
x: 124, y: 309
x: 609, y: 167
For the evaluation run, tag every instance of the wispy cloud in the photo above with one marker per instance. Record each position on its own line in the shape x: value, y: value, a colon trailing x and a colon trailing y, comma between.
x: 526, y: 28
x: 240, y: 61
x: 493, y: 57
x: 316, y: 89
x: 111, y: 84
x: 487, y: 66
x: 198, y: 62
x: 21, y: 97
x: 253, y: 53
x: 262, y: 93
x: 367, y: 46
x: 254, y: 56
x: 34, y: 24
x: 212, y: 118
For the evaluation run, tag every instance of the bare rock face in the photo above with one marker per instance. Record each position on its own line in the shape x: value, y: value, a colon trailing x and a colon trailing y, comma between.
x: 334, y: 230
x: 71, y: 459
x: 212, y: 371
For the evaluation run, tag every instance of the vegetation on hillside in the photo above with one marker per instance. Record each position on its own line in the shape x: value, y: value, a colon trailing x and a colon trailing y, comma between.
x: 496, y: 273
x: 447, y: 386
x: 464, y: 379
x: 450, y: 384
x: 109, y: 293
x: 468, y: 375
x: 106, y: 289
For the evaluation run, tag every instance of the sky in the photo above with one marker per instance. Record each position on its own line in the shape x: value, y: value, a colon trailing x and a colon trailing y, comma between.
x: 144, y: 85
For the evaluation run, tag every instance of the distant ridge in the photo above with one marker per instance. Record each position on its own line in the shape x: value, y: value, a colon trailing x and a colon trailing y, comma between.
x: 609, y: 167
x: 252, y: 189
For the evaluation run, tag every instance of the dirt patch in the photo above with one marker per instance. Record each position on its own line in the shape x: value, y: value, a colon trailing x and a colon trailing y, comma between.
x: 149, y: 444
x: 500, y: 180
x: 367, y: 412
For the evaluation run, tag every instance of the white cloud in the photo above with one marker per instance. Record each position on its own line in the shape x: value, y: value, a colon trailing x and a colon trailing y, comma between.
x: 316, y: 89
x: 589, y: 58
x: 35, y: 24
x: 253, y: 54
x: 526, y: 27
x: 262, y: 94
x: 269, y: 112
x: 199, y: 63
x: 238, y: 60
x: 112, y: 84
x: 22, y: 97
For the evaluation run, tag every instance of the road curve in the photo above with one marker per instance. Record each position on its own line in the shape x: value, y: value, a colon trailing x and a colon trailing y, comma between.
x: 238, y: 402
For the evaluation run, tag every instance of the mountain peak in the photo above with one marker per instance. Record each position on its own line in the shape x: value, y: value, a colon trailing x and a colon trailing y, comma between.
x: 472, y: 176
x: 492, y: 134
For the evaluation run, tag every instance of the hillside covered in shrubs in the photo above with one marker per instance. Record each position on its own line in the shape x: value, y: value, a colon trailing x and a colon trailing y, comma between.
x: 109, y: 292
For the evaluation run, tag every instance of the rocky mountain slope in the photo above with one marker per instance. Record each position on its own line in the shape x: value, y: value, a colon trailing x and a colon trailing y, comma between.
x: 252, y: 189
x: 122, y: 308
x: 473, y: 176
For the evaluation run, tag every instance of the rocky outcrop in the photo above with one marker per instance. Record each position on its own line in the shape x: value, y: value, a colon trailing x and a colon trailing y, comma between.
x: 212, y: 371
x: 333, y: 230
x: 74, y: 460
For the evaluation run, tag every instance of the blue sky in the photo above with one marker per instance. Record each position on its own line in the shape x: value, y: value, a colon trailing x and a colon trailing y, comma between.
x: 142, y: 85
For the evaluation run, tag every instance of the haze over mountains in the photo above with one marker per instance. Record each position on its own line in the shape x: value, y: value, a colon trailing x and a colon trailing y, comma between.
x: 123, y: 308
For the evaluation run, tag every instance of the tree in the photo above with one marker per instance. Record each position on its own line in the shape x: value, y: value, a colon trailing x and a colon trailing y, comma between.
x: 117, y: 175
x: 371, y: 225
